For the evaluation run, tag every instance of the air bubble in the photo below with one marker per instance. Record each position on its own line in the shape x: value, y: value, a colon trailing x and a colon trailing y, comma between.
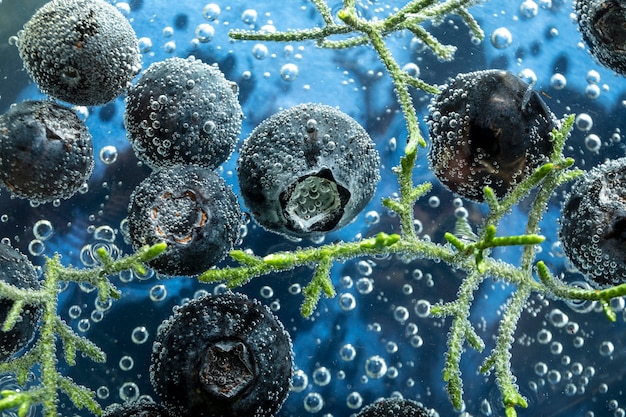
x: 364, y: 285
x: 108, y: 154
x: 593, y: 143
x: 139, y: 335
x: 354, y: 400
x: 126, y: 363
x: 249, y: 16
x: 375, y: 367
x: 158, y: 293
x: 347, y: 352
x: 260, y: 51
x: 558, y: 81
x: 584, y: 122
x: 501, y: 38
x: 321, y: 376
x: 289, y: 72
x: 313, y: 402
x: 558, y: 318
x: 528, y: 9
x: 129, y: 392
x: 606, y: 348
x: 299, y: 381
x: 211, y: 11
x: 204, y: 32
x: 411, y: 69
x: 422, y: 308
x: 347, y: 302
x: 401, y: 314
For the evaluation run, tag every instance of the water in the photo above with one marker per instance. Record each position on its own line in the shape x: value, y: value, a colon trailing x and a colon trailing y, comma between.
x: 567, y: 357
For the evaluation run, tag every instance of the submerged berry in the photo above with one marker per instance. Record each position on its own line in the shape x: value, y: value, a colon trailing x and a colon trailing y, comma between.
x: 222, y: 356
x: 394, y: 407
x: 45, y: 151
x: 307, y: 170
x: 16, y: 269
x: 593, y: 224
x: 83, y: 52
x: 603, y: 26
x: 140, y: 408
x: 183, y: 111
x: 488, y: 128
x: 192, y: 210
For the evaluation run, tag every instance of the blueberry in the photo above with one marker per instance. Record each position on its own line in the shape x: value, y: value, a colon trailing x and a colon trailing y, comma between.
x: 488, y: 128
x: 183, y: 111
x: 394, y: 407
x: 45, y: 151
x: 192, y: 210
x: 16, y: 269
x: 593, y: 224
x: 140, y: 408
x: 603, y: 26
x: 307, y: 170
x: 83, y: 52
x: 222, y: 356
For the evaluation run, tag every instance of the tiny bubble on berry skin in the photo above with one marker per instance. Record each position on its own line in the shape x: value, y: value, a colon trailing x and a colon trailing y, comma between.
x: 83, y: 52
x: 307, y: 170
x: 593, y: 224
x: 488, y: 128
x: 192, y: 210
x: 222, y: 355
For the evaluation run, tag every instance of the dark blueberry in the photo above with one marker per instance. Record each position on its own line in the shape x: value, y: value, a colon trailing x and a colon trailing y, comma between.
x: 183, y: 111
x: 16, y: 269
x: 222, y: 356
x: 45, y: 151
x: 140, y: 408
x: 488, y: 128
x: 192, y: 210
x: 593, y: 224
x: 394, y: 407
x: 307, y: 170
x: 83, y: 52
x: 603, y: 26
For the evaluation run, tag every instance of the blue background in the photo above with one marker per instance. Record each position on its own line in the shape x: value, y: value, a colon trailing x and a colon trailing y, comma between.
x: 353, y: 80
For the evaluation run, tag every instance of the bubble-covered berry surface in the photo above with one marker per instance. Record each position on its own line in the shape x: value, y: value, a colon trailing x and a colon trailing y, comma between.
x: 377, y: 337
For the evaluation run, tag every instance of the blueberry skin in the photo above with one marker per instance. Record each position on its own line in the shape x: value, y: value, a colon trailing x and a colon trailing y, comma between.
x: 45, y: 151
x: 140, y: 408
x: 307, y: 170
x: 394, y: 407
x: 603, y: 26
x: 487, y: 128
x: 83, y: 52
x: 222, y: 356
x: 593, y: 224
x: 17, y: 270
x: 192, y: 210
x: 183, y: 111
